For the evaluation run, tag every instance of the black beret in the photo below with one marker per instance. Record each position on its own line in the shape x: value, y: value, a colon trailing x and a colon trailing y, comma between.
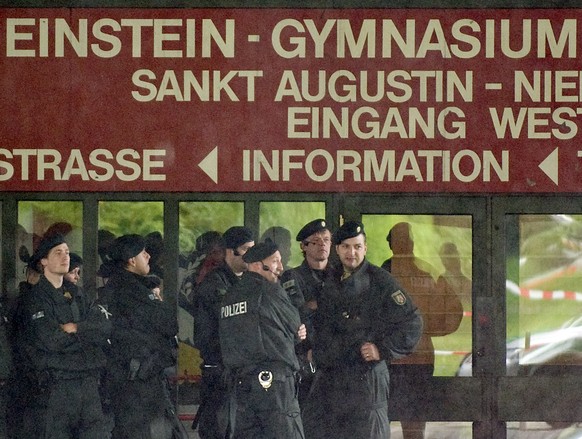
x: 45, y: 246
x: 237, y: 236
x: 126, y: 247
x: 76, y: 261
x: 260, y: 251
x: 315, y: 226
x: 350, y: 229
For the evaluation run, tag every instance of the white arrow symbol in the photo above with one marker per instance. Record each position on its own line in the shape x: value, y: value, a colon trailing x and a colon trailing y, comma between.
x: 209, y: 164
x: 550, y: 166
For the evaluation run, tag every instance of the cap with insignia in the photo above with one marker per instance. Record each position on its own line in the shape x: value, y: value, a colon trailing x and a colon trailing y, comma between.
x: 349, y: 230
x: 260, y: 251
x: 46, y: 245
x: 315, y: 226
x: 126, y: 247
x: 237, y: 236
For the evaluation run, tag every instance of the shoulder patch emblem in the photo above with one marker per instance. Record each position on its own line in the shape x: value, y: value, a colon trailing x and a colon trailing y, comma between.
x: 399, y: 298
x: 290, y: 283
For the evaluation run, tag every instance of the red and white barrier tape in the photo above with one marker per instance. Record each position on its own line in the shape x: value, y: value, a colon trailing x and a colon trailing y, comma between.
x: 541, y: 294
x: 439, y: 352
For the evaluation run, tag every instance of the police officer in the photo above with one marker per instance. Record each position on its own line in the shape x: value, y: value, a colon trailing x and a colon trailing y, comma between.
x: 62, y: 346
x: 364, y: 319
x: 142, y: 345
x: 207, y: 298
x: 304, y: 285
x: 259, y: 328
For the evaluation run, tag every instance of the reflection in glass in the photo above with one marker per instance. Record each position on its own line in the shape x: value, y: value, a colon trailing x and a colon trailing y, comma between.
x: 544, y: 318
x: 281, y: 221
x: 124, y: 217
x: 430, y: 255
x: 37, y: 218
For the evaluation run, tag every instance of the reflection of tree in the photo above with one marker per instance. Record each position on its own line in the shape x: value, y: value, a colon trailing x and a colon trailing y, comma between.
x: 552, y: 257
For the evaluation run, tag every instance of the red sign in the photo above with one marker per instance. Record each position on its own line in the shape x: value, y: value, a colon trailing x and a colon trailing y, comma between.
x: 245, y: 100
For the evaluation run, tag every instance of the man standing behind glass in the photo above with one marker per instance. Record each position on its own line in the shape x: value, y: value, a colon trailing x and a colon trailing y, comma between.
x: 364, y: 320
x: 304, y: 285
x: 208, y: 296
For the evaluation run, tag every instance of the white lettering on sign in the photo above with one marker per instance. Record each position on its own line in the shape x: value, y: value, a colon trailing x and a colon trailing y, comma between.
x: 99, y: 165
x: 391, y: 86
x: 357, y: 165
x: 548, y: 86
x: 463, y: 39
x: 535, y: 122
x: 107, y: 38
x: 204, y: 86
x: 369, y: 123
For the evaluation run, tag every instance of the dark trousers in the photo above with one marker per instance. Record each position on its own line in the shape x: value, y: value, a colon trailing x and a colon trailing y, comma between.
x: 67, y: 408
x: 212, y: 415
x: 271, y: 413
x: 139, y: 409
x: 348, y: 403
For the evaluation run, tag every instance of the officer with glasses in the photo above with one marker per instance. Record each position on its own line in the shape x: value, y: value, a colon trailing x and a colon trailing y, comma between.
x: 304, y: 284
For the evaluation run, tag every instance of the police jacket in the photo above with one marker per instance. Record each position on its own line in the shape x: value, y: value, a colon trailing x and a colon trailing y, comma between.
x: 43, y: 308
x: 307, y: 280
x: 207, y: 300
x: 258, y: 324
x: 368, y: 306
x: 304, y: 285
x: 144, y: 327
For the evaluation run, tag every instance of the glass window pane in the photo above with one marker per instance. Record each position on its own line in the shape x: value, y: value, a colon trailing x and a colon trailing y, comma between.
x: 124, y: 217
x: 38, y: 218
x: 281, y: 221
x: 198, y: 217
x: 431, y: 257
x: 544, y: 274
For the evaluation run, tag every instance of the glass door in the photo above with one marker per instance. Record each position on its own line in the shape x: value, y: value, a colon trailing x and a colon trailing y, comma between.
x: 432, y: 247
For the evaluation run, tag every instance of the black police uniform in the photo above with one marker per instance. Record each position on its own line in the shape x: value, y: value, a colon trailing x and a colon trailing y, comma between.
x: 349, y: 398
x: 65, y: 367
x: 21, y: 385
x: 208, y: 296
x: 258, y: 332
x: 142, y: 347
x: 304, y: 285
